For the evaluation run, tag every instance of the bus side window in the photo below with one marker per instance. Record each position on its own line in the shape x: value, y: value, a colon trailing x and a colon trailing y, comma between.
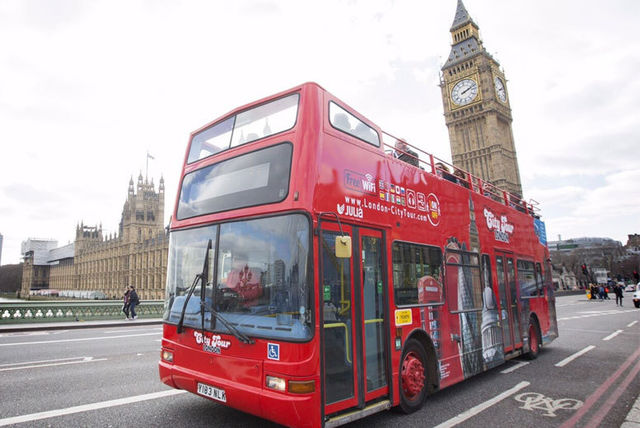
x: 527, y: 279
x: 417, y: 274
x: 464, y: 286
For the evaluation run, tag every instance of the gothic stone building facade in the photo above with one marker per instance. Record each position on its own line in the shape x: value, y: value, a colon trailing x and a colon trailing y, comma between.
x: 136, y: 255
x: 476, y: 108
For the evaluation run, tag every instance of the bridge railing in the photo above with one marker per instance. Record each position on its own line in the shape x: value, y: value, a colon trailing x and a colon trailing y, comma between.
x: 53, y: 311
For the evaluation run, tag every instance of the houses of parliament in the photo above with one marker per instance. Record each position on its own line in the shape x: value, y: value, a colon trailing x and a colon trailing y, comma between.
x: 477, y: 114
x: 136, y: 255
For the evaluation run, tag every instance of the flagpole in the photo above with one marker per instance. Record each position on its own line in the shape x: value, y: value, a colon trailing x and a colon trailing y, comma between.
x: 146, y: 172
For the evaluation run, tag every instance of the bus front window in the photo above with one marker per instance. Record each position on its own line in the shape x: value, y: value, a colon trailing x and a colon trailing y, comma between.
x: 261, y: 281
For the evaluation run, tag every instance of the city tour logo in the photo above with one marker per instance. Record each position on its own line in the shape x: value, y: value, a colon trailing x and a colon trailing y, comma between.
x: 501, y: 227
x: 211, y: 344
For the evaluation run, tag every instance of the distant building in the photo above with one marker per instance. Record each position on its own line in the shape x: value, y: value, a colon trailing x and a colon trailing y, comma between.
x: 35, y: 273
x: 1, y: 249
x: 136, y: 255
x: 569, y: 245
x: 633, y: 243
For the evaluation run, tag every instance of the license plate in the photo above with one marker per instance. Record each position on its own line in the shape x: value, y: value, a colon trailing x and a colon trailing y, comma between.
x: 212, y: 392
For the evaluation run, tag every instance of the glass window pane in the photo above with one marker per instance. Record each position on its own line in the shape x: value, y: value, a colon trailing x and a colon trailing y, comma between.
x: 265, y: 120
x: 346, y: 122
x: 259, y: 122
x: 211, y: 140
x: 262, y: 282
x: 262, y: 285
x: 417, y: 277
x: 337, y: 322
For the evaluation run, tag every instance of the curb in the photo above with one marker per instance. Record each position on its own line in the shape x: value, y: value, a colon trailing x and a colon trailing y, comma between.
x: 633, y: 417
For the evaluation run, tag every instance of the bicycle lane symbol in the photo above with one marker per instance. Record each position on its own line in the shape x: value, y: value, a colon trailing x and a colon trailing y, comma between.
x: 535, y: 401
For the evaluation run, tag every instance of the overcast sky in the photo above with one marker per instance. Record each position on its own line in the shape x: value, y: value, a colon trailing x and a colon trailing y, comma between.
x: 88, y: 87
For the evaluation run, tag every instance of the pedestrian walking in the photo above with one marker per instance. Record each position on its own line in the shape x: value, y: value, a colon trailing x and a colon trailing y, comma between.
x: 619, y: 293
x: 125, y: 301
x: 133, y: 301
x: 601, y: 292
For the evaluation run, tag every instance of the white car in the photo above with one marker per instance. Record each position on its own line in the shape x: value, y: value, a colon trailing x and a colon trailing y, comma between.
x: 636, y: 299
x: 631, y: 287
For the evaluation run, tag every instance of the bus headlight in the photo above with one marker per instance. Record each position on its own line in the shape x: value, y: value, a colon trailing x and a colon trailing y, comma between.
x: 276, y: 383
x: 167, y: 356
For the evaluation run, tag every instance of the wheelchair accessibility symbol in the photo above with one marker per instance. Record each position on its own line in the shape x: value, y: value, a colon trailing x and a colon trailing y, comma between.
x: 273, y: 351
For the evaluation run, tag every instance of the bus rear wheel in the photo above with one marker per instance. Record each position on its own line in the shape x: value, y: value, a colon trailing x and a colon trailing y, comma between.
x: 413, y: 381
x: 534, y: 340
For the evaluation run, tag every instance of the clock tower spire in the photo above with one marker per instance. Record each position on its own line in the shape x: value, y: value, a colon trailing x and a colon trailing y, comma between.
x: 476, y: 108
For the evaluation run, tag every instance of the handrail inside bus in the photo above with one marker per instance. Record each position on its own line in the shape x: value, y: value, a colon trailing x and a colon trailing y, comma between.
x: 444, y: 169
x: 346, y: 336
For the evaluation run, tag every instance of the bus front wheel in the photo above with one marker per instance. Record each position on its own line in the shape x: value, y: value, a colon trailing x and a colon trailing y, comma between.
x: 413, y: 381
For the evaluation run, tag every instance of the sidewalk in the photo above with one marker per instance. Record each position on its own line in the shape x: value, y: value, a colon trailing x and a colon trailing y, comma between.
x: 67, y: 325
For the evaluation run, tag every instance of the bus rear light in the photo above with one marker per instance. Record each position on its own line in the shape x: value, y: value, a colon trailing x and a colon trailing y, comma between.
x: 167, y: 356
x: 302, y: 386
x: 276, y: 383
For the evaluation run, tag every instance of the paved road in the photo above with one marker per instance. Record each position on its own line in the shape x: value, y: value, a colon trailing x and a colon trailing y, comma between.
x: 107, y: 377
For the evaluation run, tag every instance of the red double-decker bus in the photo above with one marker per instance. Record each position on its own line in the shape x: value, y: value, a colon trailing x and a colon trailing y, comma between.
x: 317, y: 275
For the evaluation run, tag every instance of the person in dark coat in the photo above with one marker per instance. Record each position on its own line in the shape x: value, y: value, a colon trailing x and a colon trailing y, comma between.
x: 133, y: 301
x: 125, y: 299
x: 618, y: 289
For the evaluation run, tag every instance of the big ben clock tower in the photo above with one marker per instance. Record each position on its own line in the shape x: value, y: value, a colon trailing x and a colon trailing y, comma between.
x: 476, y: 108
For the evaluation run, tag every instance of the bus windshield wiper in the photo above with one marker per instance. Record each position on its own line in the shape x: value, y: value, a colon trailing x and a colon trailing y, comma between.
x: 199, y: 277
x: 233, y: 330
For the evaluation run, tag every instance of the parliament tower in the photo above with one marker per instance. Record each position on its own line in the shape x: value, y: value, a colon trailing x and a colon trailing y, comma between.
x: 476, y: 108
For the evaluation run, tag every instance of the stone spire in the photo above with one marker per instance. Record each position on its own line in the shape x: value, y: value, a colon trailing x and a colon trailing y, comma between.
x: 462, y: 17
x: 465, y: 37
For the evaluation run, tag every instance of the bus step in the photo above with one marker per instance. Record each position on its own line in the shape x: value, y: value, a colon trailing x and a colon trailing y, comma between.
x: 358, y: 414
x: 513, y: 354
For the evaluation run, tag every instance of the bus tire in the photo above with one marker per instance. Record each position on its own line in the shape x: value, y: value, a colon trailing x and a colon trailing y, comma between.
x: 413, y: 376
x: 534, y: 340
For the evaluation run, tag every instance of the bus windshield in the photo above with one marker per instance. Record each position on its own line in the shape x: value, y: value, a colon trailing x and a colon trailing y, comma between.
x: 260, y: 283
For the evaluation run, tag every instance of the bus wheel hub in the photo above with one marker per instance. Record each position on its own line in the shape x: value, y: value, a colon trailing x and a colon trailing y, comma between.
x: 412, y: 375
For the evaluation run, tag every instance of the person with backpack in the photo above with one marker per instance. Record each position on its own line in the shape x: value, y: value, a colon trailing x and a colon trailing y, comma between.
x: 133, y: 301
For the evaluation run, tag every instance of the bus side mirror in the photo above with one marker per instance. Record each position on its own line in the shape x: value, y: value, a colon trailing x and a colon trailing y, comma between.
x: 343, y: 247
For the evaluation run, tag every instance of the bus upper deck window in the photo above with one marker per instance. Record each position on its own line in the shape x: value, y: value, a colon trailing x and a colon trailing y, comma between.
x: 346, y: 122
x: 250, y: 125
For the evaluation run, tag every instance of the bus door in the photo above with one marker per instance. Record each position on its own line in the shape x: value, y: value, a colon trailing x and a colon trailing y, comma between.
x: 509, y: 311
x: 354, y: 319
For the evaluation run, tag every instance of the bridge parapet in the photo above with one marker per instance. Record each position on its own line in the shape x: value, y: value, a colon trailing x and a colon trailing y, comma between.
x: 52, y: 311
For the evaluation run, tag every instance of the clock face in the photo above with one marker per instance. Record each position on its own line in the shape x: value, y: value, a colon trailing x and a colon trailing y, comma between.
x: 500, y: 91
x: 464, y: 92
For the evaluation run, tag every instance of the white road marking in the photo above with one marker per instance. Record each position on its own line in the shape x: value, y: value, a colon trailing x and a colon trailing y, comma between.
x: 129, y: 330
x: 515, y: 367
x: 632, y: 323
x: 43, y: 361
x: 597, y: 314
x: 612, y: 335
x: 38, y: 364
x: 88, y: 407
x: 574, y: 356
x: 84, y: 339
x: 482, y: 406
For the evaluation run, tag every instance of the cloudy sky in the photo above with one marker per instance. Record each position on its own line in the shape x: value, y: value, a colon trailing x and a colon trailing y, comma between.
x: 88, y: 87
